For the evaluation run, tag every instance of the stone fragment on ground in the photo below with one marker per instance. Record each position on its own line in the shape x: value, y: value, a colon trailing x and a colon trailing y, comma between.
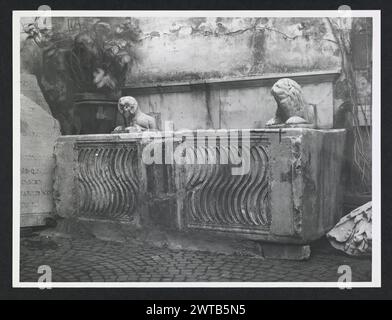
x: 353, y: 233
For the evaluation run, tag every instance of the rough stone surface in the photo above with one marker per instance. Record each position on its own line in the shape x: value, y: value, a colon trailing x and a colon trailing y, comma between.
x: 286, y: 252
x: 158, y: 236
x: 64, y: 186
x: 243, y: 46
x: 39, y: 131
x: 306, y: 182
x: 93, y: 260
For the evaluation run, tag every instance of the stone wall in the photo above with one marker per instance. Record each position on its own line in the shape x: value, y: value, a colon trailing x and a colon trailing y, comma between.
x: 184, y: 49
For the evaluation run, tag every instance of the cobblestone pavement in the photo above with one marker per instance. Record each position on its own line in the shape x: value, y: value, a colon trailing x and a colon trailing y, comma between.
x: 81, y: 260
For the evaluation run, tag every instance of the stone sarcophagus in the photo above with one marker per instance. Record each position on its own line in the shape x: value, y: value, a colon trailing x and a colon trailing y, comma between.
x: 273, y: 185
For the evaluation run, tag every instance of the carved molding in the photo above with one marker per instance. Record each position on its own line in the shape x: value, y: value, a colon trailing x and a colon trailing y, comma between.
x: 234, y: 83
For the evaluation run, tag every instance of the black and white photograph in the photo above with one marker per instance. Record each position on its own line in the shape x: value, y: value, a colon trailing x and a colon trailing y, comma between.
x: 196, y: 149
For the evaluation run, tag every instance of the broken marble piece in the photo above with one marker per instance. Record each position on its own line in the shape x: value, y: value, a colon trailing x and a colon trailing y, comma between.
x: 353, y: 233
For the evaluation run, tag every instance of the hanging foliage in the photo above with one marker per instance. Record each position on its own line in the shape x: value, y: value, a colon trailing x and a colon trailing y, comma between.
x: 342, y: 31
x: 85, y: 56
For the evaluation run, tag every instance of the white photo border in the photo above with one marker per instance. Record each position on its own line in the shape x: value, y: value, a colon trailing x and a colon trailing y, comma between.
x: 376, y: 148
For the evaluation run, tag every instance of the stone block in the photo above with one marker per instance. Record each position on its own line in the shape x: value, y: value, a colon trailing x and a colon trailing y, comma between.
x: 286, y: 252
x: 39, y: 131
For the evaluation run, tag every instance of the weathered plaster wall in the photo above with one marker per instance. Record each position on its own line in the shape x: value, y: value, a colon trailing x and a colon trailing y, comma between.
x: 180, y: 49
x: 188, y: 50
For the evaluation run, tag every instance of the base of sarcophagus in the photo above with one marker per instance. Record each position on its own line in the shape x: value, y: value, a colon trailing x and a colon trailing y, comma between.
x: 175, y: 240
x: 286, y: 193
x: 286, y: 251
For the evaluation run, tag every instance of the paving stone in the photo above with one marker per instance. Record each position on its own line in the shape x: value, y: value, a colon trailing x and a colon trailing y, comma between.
x: 96, y: 260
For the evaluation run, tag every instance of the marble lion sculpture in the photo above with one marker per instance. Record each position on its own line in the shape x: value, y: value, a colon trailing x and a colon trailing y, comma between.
x: 292, y: 108
x: 134, y: 119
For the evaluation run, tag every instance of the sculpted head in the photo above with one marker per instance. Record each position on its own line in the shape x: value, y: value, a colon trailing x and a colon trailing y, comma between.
x: 292, y: 108
x: 127, y: 106
x: 289, y: 97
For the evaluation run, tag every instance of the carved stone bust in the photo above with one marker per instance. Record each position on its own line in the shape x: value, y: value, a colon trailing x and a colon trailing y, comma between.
x: 134, y: 119
x: 292, y: 109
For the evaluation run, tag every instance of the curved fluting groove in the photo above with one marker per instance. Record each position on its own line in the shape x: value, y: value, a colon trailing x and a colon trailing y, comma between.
x: 236, y: 189
x: 191, y: 171
x: 102, y: 183
x: 88, y: 205
x: 208, y: 190
x: 261, y: 197
x: 227, y: 192
x: 206, y: 178
x: 216, y: 191
x: 102, y: 163
x: 83, y: 185
x: 91, y: 172
x: 115, y: 186
x: 132, y: 178
x: 245, y: 192
x: 192, y: 178
x: 258, y: 170
x: 202, y: 176
x: 108, y: 185
x: 115, y: 179
x: 122, y: 204
x: 128, y: 200
x: 218, y: 198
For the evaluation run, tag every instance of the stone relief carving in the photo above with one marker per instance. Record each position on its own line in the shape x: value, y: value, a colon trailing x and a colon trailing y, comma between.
x: 217, y: 200
x: 108, y: 183
x: 292, y: 108
x: 134, y: 119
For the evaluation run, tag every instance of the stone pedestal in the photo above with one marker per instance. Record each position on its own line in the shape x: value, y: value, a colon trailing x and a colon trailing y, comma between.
x: 97, y: 112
